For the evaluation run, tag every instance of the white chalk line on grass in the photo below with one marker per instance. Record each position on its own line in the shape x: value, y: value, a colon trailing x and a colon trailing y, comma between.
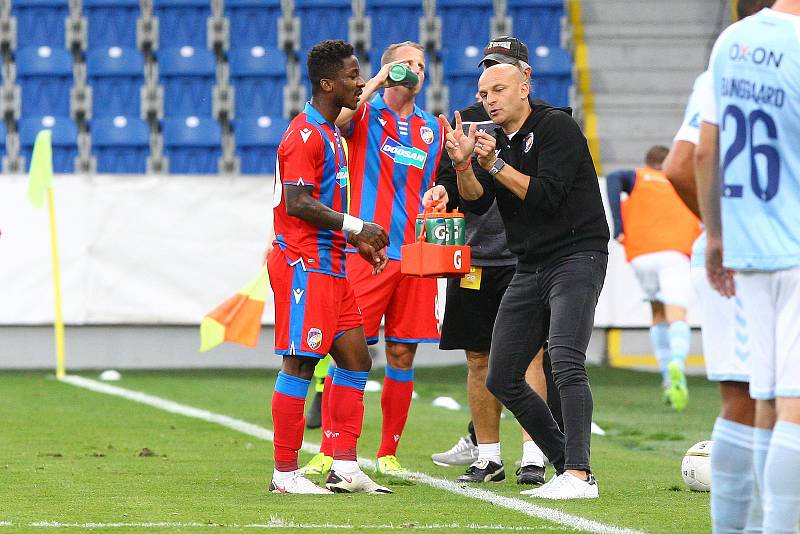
x: 280, y: 525
x: 518, y: 505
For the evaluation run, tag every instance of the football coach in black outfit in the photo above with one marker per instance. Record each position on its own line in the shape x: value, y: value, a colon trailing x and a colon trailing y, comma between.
x: 541, y: 174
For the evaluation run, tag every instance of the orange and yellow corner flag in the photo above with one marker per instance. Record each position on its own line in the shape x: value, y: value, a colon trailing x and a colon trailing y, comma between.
x: 238, y: 319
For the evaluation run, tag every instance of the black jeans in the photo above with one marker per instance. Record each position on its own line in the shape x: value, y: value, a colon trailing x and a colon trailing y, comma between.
x: 554, y: 302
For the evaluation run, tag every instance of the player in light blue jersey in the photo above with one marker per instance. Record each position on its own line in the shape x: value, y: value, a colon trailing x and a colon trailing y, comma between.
x: 749, y: 153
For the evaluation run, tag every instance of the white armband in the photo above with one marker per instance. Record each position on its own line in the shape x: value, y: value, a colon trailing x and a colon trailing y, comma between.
x: 351, y: 224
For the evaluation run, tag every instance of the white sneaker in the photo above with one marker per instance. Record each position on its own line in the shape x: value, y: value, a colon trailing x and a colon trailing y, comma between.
x: 567, y: 486
x: 297, y: 483
x: 533, y: 492
x: 357, y: 482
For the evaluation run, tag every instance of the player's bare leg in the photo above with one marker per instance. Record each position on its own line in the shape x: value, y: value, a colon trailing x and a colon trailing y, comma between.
x: 398, y: 386
x: 353, y: 363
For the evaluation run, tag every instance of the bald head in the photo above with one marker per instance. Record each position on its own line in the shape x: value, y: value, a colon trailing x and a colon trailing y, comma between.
x: 504, y: 90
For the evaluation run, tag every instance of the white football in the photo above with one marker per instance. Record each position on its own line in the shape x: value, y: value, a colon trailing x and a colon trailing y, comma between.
x: 696, y: 467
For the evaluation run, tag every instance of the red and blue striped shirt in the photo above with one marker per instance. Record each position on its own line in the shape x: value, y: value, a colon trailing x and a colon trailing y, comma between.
x: 392, y: 163
x: 311, y: 154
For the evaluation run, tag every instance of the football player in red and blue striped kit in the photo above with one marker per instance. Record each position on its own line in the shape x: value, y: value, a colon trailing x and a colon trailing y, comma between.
x: 315, y: 307
x: 394, y: 149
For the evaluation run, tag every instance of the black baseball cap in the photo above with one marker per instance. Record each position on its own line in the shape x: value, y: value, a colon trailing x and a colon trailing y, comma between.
x: 505, y: 49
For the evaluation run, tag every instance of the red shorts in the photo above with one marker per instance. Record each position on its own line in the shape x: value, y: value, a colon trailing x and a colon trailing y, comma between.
x: 407, y: 303
x: 311, y: 309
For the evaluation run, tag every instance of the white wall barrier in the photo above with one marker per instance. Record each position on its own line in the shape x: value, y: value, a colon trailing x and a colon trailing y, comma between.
x: 166, y: 250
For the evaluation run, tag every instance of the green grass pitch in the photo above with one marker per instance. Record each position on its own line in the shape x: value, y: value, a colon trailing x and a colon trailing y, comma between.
x: 69, y: 455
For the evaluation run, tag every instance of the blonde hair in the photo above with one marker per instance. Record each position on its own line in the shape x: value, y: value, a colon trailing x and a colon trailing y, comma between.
x: 388, y: 54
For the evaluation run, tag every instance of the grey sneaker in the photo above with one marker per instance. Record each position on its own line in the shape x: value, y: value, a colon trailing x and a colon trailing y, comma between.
x: 462, y: 453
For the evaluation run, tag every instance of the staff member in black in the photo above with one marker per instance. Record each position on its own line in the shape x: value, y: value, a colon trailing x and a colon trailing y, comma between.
x: 546, y: 188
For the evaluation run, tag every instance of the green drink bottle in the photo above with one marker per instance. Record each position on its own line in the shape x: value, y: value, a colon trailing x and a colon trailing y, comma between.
x: 402, y: 75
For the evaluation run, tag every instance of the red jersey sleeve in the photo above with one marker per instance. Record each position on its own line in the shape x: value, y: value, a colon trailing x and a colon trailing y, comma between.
x: 359, y: 122
x: 301, y: 156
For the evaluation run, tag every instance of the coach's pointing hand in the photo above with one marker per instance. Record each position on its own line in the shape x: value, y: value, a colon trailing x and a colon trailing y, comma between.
x: 458, y: 144
x: 485, y: 146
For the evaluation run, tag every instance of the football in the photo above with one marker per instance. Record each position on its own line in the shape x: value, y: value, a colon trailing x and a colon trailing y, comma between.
x: 696, y: 466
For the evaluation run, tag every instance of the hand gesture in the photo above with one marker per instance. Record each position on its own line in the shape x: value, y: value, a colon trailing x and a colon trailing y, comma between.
x: 459, y: 146
x: 719, y: 277
x: 435, y: 198
x: 485, y: 146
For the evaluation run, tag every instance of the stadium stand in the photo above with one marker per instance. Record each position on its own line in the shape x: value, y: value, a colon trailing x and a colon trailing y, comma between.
x: 187, y: 75
x: 111, y: 22
x: 537, y: 22
x: 253, y: 22
x: 40, y: 22
x: 257, y: 140
x: 120, y: 144
x: 328, y: 18
x: 116, y: 76
x: 465, y: 22
x: 192, y: 145
x: 182, y: 22
x: 259, y: 76
x: 44, y: 75
x: 3, y: 137
x: 64, y: 138
x: 386, y: 29
x: 461, y: 70
x: 552, y: 74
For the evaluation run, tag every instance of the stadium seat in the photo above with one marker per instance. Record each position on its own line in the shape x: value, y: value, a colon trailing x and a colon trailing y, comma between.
x: 386, y: 29
x: 40, y: 22
x: 187, y: 75
x: 253, y: 22
x: 120, y: 144
x: 116, y: 76
x: 182, y: 22
x: 552, y: 74
x: 537, y: 22
x: 465, y: 22
x: 44, y: 75
x: 111, y: 22
x: 320, y: 20
x: 3, y: 133
x: 461, y: 73
x: 192, y: 145
x: 257, y: 140
x: 258, y: 75
x: 64, y: 138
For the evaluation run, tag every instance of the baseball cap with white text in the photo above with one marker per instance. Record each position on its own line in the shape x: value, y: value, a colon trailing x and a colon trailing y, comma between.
x: 505, y: 49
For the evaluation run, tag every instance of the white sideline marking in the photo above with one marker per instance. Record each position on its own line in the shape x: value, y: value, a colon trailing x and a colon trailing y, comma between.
x: 277, y: 524
x: 518, y: 505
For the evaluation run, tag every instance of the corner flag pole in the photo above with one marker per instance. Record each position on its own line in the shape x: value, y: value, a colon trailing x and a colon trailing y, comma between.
x: 40, y: 182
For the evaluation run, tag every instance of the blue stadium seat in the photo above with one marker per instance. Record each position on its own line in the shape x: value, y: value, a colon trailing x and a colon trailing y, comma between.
x: 461, y: 72
x: 192, y: 144
x: 253, y: 22
x: 257, y: 140
x: 40, y: 22
x: 465, y: 22
x: 258, y: 74
x: 120, y: 144
x: 552, y: 74
x: 187, y: 75
x: 3, y: 138
x: 44, y: 75
x: 182, y: 22
x: 111, y: 22
x: 116, y: 76
x: 64, y: 137
x: 321, y: 20
x: 537, y: 22
x: 393, y: 21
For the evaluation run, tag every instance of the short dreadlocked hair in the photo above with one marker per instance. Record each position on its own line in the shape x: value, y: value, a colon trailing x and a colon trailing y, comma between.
x: 325, y: 59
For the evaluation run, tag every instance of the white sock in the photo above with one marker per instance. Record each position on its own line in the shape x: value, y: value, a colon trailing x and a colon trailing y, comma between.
x: 345, y: 466
x: 531, y: 454
x: 732, y: 477
x: 781, y: 472
x: 489, y: 451
x: 280, y: 476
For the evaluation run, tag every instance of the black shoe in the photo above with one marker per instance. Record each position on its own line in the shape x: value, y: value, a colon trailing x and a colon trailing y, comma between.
x: 314, y: 415
x: 530, y: 475
x: 483, y: 471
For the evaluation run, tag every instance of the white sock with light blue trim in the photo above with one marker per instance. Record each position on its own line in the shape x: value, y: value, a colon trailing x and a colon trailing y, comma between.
x: 659, y: 338
x: 731, y: 475
x: 781, y: 475
x: 680, y: 335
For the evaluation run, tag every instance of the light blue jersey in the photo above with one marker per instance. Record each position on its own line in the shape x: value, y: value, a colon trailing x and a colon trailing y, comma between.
x: 755, y: 67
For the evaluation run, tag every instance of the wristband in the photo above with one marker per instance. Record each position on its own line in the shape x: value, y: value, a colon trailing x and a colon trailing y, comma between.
x: 351, y: 224
x: 466, y: 166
